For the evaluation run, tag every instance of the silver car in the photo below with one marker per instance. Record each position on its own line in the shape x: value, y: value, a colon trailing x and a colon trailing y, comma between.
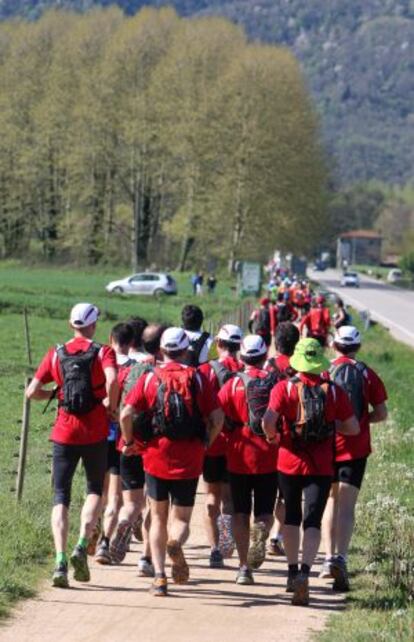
x: 152, y: 283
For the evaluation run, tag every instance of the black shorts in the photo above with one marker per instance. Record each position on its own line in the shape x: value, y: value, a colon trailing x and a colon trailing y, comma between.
x: 215, y: 470
x: 350, y: 472
x: 180, y: 492
x: 113, y: 461
x: 315, y: 489
x: 259, y: 490
x: 65, y: 460
x: 132, y: 472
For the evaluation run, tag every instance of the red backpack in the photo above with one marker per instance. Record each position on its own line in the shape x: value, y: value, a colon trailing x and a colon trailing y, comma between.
x: 318, y: 322
x: 176, y: 414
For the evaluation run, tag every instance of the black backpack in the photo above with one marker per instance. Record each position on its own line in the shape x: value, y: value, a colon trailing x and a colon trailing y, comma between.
x: 282, y: 312
x: 195, y: 348
x: 222, y: 373
x: 262, y: 325
x: 311, y: 425
x: 258, y: 391
x: 78, y: 392
x: 351, y: 378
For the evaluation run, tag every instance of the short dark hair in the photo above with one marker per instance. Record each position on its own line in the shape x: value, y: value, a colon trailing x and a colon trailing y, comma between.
x: 254, y: 361
x: 348, y: 349
x: 151, y: 338
x: 123, y: 334
x: 231, y: 346
x: 286, y: 338
x: 192, y: 317
x: 138, y: 326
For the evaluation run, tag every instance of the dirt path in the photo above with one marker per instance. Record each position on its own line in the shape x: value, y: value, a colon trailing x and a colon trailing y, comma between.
x: 116, y: 605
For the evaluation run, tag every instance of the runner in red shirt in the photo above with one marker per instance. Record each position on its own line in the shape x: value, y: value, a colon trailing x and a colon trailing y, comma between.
x: 131, y: 518
x: 218, y: 518
x: 262, y: 320
x: 183, y: 413
x: 317, y: 321
x: 286, y: 338
x: 87, y: 393
x: 251, y: 461
x: 367, y: 394
x: 306, y: 453
x: 120, y: 340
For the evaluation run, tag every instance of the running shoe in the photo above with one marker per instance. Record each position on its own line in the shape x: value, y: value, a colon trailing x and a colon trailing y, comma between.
x: 300, y: 595
x: 79, y: 561
x: 257, y: 549
x: 145, y: 567
x: 60, y: 576
x: 102, y: 554
x: 290, y: 583
x: 275, y: 546
x: 179, y: 569
x: 96, y: 533
x: 137, y: 529
x: 226, y: 539
x: 326, y: 570
x: 159, y: 587
x: 244, y: 577
x: 340, y: 574
x: 216, y: 559
x: 119, y: 545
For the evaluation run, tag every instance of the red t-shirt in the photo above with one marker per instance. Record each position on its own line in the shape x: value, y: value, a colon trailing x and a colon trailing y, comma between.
x: 358, y: 446
x: 163, y: 457
x: 219, y: 446
x: 318, y: 321
x: 247, y: 453
x: 306, y: 459
x: 79, y: 429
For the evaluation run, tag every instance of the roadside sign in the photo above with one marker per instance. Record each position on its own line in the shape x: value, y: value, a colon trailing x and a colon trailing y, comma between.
x: 251, y: 276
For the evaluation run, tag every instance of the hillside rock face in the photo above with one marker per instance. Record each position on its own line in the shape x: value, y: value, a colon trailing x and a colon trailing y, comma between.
x: 358, y: 57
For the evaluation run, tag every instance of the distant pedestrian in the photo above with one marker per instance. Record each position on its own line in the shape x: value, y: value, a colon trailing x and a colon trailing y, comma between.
x: 199, y: 284
x: 211, y: 284
x: 194, y: 281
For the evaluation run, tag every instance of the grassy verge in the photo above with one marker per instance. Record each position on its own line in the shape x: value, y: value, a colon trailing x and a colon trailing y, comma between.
x: 25, y: 539
x: 381, y: 604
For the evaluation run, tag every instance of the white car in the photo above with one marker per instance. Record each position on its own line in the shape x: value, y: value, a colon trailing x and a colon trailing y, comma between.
x: 144, y: 283
x: 394, y: 275
x: 350, y: 279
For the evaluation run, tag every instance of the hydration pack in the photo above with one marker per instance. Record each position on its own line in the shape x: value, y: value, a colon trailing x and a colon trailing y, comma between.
x: 262, y: 325
x: 350, y: 376
x: 258, y: 391
x: 318, y: 323
x: 78, y: 392
x: 311, y: 425
x: 222, y: 373
x: 195, y: 348
x: 177, y: 415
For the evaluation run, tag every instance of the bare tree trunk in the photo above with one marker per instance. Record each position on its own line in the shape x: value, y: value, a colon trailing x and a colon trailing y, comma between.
x: 188, y: 240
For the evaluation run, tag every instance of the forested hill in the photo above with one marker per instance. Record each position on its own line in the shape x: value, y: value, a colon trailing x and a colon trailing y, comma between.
x: 357, y: 55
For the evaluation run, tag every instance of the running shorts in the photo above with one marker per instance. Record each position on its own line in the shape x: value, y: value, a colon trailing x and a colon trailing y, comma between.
x: 315, y: 489
x: 180, y: 492
x: 215, y: 470
x: 258, y: 491
x: 132, y: 472
x: 350, y: 472
x: 113, y: 461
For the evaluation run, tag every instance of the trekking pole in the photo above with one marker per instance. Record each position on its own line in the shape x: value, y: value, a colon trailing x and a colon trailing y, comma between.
x: 27, y: 336
x: 24, y: 434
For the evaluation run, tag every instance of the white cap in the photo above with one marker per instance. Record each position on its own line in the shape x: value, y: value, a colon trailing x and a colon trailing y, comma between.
x: 253, y: 346
x: 83, y: 314
x: 174, y: 339
x: 347, y: 335
x: 231, y: 333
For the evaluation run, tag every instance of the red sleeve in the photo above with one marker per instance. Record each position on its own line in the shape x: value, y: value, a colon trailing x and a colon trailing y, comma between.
x: 343, y: 407
x: 377, y: 393
x: 305, y: 321
x: 272, y: 314
x: 327, y: 316
x: 293, y: 313
x: 207, y: 397
x: 136, y: 396
x: 44, y: 372
x: 108, y: 357
x: 278, y: 396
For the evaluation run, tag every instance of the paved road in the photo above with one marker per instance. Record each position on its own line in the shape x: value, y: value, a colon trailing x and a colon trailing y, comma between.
x: 391, y: 306
x: 116, y: 606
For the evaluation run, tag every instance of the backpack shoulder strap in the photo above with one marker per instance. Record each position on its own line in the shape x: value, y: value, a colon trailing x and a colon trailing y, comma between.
x: 244, y: 377
x: 95, y: 348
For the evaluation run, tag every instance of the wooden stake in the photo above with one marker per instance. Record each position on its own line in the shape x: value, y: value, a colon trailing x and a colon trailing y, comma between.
x: 24, y: 435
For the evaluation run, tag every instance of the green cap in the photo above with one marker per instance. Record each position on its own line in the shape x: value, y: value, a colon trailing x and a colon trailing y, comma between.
x: 309, y: 357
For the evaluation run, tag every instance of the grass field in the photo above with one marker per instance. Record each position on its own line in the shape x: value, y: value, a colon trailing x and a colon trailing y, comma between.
x: 25, y: 540
x: 380, y: 606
